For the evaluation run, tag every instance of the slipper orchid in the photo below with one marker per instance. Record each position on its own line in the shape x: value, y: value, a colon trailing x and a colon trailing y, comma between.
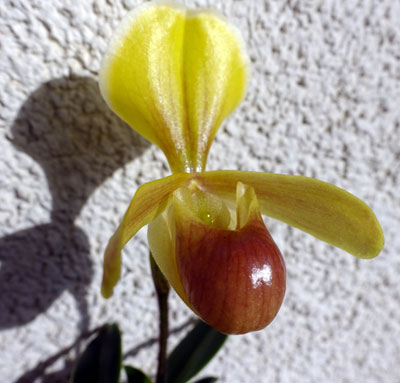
x: 174, y: 75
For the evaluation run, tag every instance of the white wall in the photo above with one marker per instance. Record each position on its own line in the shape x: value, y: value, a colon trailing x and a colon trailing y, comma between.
x: 323, y: 101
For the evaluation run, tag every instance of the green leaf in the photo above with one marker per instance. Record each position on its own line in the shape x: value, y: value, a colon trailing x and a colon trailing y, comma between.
x: 193, y: 353
x: 101, y: 361
x: 136, y: 376
x: 209, y: 379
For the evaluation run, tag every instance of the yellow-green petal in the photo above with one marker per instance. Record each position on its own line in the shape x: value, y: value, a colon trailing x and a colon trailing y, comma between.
x: 174, y: 75
x: 149, y: 201
x: 318, y: 208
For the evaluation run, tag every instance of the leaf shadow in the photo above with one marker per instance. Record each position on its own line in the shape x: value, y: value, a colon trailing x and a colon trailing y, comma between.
x: 40, y: 373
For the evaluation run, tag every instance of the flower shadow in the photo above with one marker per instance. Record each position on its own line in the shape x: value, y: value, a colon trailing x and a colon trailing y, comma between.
x: 67, y: 128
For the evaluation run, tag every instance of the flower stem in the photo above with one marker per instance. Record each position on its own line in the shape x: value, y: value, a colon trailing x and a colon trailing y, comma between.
x: 162, y: 290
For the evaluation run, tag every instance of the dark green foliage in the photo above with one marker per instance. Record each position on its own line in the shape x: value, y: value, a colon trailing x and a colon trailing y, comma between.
x: 193, y: 353
x: 101, y: 361
x: 136, y: 376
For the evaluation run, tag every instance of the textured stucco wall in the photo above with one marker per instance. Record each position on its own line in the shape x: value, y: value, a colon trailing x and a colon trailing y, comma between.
x: 323, y: 101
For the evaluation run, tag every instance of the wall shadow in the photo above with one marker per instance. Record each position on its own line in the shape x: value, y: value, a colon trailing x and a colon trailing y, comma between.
x: 67, y: 128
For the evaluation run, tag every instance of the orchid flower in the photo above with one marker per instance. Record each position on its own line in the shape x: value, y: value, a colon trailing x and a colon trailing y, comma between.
x: 174, y: 75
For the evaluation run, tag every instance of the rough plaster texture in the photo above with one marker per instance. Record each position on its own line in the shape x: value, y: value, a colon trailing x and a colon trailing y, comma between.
x: 323, y: 101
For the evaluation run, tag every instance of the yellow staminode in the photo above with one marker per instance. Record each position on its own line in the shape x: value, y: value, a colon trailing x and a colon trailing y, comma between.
x: 174, y: 75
